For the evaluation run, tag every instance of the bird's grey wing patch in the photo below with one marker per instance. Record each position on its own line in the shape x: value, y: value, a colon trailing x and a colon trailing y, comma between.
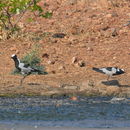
x: 104, y: 70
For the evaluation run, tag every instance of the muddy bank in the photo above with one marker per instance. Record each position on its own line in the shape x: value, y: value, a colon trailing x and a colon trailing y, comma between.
x: 63, y: 87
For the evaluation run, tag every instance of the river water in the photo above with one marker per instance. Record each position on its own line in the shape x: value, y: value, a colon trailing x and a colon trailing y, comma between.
x: 94, y: 112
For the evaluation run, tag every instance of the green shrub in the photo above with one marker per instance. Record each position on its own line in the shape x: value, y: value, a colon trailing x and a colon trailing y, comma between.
x: 31, y: 58
x: 12, y: 11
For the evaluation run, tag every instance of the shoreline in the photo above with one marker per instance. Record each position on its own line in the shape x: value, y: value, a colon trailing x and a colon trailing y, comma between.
x: 27, y: 127
x: 61, y: 92
x: 66, y: 125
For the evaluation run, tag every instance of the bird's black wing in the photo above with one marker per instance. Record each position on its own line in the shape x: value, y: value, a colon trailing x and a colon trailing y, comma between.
x: 109, y: 68
x: 98, y: 70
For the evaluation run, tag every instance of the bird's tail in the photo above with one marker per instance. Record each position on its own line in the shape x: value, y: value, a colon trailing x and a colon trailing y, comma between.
x: 38, y: 71
x: 96, y: 69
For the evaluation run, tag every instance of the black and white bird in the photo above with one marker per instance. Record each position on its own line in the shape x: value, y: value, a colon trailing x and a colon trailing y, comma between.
x: 110, y: 71
x: 25, y: 69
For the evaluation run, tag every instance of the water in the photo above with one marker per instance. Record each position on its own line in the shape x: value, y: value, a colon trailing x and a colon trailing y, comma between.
x: 101, y: 112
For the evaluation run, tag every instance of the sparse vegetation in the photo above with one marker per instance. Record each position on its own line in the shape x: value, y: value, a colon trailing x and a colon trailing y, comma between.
x: 12, y: 11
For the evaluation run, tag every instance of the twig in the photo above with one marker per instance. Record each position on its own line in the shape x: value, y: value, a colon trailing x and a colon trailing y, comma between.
x: 24, y: 11
x: 9, y: 16
x: 5, y: 26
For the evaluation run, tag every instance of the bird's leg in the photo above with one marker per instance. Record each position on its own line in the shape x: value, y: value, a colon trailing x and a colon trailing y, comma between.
x: 21, y: 82
x: 108, y: 77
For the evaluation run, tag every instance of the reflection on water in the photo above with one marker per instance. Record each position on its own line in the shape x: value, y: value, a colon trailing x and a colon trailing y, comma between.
x: 85, y: 112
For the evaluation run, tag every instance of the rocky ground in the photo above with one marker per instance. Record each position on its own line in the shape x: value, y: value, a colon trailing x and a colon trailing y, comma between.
x: 97, y: 34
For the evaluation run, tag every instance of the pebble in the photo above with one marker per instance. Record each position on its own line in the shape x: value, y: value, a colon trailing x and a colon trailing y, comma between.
x: 89, y: 49
x: 114, y: 32
x: 45, y: 55
x: 61, y: 68
x: 58, y: 35
x: 109, y: 15
x: 51, y: 62
x: 81, y: 63
x: 74, y: 60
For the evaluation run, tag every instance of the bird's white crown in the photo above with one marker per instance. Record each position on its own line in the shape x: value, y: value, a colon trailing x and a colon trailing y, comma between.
x: 13, y: 55
x: 122, y: 69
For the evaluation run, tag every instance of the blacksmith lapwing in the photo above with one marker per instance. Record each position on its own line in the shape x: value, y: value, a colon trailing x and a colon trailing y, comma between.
x: 25, y: 69
x: 110, y: 71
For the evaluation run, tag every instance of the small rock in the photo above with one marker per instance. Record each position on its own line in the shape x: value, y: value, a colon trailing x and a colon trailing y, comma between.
x: 114, y: 57
x: 54, y: 41
x: 61, y: 68
x: 89, y: 49
x: 81, y: 63
x: 74, y: 60
x: 53, y: 71
x: 58, y: 35
x: 51, y: 62
x: 92, y: 16
x: 114, y: 32
x: 45, y: 55
x: 109, y: 15
x: 105, y: 28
